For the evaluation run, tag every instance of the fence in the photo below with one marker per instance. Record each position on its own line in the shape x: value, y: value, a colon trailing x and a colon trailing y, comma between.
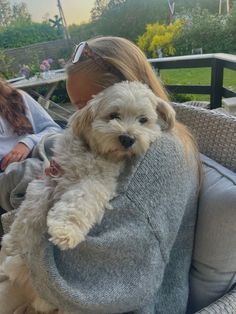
x: 217, y: 62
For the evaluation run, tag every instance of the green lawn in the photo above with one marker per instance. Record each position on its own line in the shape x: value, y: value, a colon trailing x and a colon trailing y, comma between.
x: 197, y: 77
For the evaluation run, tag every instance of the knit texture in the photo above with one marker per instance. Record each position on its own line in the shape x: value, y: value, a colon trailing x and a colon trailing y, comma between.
x: 137, y: 260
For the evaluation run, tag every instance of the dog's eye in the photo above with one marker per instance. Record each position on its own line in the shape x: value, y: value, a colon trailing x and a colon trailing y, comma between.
x: 143, y: 120
x: 114, y: 115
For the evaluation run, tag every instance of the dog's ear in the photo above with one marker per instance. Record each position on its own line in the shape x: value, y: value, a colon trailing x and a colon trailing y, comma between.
x: 81, y: 120
x: 166, y: 113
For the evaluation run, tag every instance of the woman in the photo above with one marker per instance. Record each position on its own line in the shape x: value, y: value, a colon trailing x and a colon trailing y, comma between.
x: 23, y: 122
x: 137, y: 260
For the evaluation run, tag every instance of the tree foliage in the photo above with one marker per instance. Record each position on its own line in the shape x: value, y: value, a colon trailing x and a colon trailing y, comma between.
x: 83, y: 31
x: 16, y: 14
x: 17, y: 28
x: 230, y: 30
x: 185, y: 5
x: 20, y: 14
x: 98, y: 9
x: 5, y: 13
x: 211, y: 32
x: 5, y: 68
x: 128, y: 18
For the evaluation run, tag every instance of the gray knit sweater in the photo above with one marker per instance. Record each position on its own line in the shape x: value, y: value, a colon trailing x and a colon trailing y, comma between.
x: 137, y: 260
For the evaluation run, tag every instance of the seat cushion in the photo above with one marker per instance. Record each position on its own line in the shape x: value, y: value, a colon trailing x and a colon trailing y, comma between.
x: 213, y: 269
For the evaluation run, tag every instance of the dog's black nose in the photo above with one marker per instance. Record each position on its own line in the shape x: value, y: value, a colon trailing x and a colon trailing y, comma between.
x: 126, y: 141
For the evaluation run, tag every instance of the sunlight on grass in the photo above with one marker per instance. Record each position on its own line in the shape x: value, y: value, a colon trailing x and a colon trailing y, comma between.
x: 186, y: 76
x: 230, y: 79
x: 197, y: 77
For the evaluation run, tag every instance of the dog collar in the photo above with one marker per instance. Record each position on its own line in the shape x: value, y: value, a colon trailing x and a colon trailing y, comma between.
x: 54, y: 169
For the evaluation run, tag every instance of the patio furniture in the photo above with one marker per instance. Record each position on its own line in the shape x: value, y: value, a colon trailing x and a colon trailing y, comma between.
x: 49, y: 79
x: 216, y: 137
x: 230, y: 105
x: 58, y: 112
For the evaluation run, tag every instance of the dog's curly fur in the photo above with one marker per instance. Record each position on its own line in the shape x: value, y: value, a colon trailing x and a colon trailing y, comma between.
x: 118, y: 123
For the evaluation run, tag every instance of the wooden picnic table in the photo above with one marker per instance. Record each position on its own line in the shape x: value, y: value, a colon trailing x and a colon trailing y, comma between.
x: 50, y: 79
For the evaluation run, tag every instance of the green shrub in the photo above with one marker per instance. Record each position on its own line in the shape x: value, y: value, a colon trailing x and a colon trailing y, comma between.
x: 5, y: 66
x: 160, y: 36
x: 212, y: 33
x: 19, y: 35
x: 83, y: 31
x: 230, y: 29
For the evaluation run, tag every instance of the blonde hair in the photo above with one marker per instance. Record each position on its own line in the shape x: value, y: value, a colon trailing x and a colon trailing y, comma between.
x: 133, y: 65
x: 126, y: 57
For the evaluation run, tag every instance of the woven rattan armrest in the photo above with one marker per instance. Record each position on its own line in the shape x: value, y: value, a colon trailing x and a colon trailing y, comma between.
x: 215, y: 132
x: 225, y: 305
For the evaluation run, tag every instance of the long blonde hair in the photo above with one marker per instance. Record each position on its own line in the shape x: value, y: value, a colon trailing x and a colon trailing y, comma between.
x: 132, y: 64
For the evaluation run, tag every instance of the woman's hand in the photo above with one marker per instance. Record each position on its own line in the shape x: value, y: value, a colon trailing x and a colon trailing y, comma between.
x: 18, y: 153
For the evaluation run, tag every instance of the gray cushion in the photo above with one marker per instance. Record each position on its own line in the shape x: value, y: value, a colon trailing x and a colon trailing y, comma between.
x: 214, y: 260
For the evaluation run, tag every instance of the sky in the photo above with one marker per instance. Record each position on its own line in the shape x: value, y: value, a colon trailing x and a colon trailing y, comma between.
x: 76, y: 11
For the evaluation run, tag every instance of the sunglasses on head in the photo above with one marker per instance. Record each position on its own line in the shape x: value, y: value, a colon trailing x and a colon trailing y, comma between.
x: 83, y: 52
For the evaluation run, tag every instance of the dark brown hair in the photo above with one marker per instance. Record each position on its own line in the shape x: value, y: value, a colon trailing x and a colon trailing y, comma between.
x: 12, y: 108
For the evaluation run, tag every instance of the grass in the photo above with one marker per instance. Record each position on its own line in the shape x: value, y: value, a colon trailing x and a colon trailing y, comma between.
x: 196, y: 77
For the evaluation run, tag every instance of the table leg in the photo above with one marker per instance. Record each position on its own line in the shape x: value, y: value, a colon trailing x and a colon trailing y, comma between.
x: 51, y: 90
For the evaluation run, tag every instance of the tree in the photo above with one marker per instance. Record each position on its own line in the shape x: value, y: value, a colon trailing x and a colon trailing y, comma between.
x: 211, y: 5
x: 230, y: 30
x: 83, y: 31
x: 98, y: 9
x: 5, y: 13
x: 202, y: 30
x: 128, y: 18
x: 17, y: 14
x: 20, y: 13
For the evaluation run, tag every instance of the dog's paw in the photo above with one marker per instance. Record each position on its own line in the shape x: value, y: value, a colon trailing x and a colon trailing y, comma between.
x: 40, y: 306
x: 25, y: 309
x: 65, y: 236
x: 3, y: 276
x: 8, y: 245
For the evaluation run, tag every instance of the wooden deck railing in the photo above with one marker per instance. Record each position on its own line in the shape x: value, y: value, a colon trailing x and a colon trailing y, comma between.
x: 217, y: 62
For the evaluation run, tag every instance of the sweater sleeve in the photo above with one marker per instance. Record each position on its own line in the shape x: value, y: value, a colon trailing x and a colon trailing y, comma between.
x: 121, y: 265
x: 115, y: 270
x: 41, y: 121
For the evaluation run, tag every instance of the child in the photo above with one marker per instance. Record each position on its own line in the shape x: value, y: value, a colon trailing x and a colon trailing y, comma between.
x: 23, y: 122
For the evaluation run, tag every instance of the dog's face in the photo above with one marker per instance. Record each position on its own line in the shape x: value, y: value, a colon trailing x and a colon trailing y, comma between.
x: 122, y: 120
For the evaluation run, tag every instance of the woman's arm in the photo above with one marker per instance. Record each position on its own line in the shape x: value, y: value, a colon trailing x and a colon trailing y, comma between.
x: 121, y: 265
x: 114, y: 271
x: 42, y: 124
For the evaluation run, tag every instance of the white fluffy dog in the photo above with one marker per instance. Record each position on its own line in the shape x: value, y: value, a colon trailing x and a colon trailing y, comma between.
x: 119, y: 123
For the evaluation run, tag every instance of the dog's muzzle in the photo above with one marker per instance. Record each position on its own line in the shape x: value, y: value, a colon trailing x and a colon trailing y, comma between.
x: 126, y: 141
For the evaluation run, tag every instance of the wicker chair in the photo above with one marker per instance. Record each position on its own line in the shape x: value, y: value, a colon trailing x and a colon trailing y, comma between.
x: 216, y: 137
x: 215, y: 132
